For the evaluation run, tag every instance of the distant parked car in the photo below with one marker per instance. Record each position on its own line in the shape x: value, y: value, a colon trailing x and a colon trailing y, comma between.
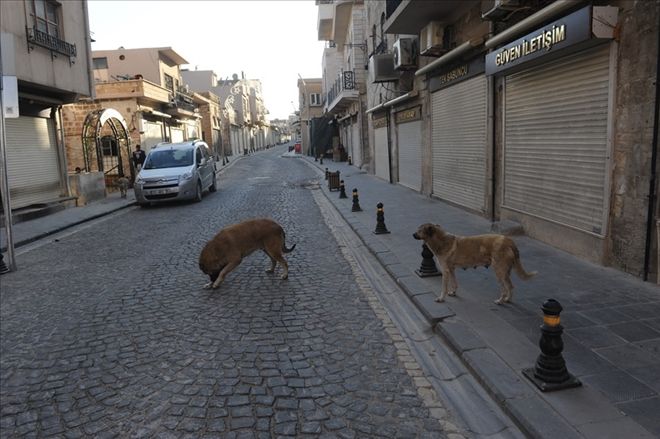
x: 176, y: 171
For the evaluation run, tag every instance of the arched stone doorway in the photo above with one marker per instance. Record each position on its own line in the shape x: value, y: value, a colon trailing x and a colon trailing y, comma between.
x: 106, y: 145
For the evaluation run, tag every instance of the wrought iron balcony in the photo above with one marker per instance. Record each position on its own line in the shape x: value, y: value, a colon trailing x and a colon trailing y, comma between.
x: 345, y: 81
x: 342, y: 91
x: 35, y: 37
x: 183, y: 98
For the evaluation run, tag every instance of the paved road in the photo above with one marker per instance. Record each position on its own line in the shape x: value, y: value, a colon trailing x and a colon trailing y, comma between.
x: 108, y: 333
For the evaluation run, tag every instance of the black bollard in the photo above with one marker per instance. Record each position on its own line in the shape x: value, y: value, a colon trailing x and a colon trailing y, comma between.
x: 316, y: 158
x: 350, y: 161
x: 326, y: 173
x: 321, y: 160
x: 356, y: 202
x: 342, y: 190
x: 550, y: 371
x: 3, y: 267
x: 380, y: 220
x: 428, y: 267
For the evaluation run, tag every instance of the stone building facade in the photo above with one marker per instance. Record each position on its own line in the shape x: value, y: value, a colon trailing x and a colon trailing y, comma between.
x: 45, y: 66
x: 542, y: 113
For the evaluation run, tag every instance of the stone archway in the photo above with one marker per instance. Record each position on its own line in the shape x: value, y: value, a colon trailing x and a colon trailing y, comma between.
x: 106, y: 144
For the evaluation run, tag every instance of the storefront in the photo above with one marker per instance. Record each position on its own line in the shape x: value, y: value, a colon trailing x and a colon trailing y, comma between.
x: 458, y: 134
x: 381, y: 147
x: 33, y: 161
x: 355, y: 148
x: 409, y: 141
x: 556, y: 124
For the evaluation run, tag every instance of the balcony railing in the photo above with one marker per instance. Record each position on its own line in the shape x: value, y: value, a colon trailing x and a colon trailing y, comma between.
x: 184, y: 99
x: 35, y: 37
x: 345, y: 81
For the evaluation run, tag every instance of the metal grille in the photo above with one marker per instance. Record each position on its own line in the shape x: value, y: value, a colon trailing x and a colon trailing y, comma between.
x: 40, y: 38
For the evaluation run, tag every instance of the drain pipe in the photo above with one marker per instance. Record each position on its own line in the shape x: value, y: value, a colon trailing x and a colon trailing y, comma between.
x: 490, y: 131
x: 64, y: 167
x: 389, y: 144
x: 654, y: 158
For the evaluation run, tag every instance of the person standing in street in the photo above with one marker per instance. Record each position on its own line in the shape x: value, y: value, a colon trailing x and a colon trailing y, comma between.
x: 138, y: 158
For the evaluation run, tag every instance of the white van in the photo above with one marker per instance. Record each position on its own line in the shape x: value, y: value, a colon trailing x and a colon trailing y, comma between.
x: 176, y: 171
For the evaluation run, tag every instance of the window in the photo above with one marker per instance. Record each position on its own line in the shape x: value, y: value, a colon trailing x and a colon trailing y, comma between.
x: 169, y: 82
x: 45, y: 14
x: 314, y: 99
x: 100, y: 63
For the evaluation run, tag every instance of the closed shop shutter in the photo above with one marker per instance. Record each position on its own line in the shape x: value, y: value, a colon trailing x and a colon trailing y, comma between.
x: 556, y: 140
x: 458, y: 137
x: 153, y: 134
x: 32, y: 161
x: 410, y: 154
x: 235, y: 146
x: 356, y: 150
x: 382, y: 158
x: 191, y: 132
x: 177, y: 135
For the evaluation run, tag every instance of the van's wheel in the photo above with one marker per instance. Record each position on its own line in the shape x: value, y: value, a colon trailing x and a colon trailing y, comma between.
x: 145, y: 204
x: 198, y: 192
x: 213, y: 186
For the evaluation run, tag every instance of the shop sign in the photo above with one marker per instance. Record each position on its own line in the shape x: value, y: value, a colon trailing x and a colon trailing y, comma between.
x: 380, y: 122
x: 565, y: 32
x: 408, y: 115
x: 456, y: 73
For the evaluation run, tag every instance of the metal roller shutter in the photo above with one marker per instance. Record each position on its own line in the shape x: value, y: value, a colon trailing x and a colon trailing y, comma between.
x: 410, y: 154
x: 459, y: 143
x: 356, y: 151
x: 555, y: 153
x: 153, y: 134
x: 382, y: 157
x: 235, y: 142
x: 177, y: 135
x: 32, y: 161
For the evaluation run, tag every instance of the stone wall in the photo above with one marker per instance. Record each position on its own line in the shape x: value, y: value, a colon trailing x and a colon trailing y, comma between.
x: 633, y: 135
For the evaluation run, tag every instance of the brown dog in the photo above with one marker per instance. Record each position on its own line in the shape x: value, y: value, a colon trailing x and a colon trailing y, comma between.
x: 225, y: 250
x: 473, y: 251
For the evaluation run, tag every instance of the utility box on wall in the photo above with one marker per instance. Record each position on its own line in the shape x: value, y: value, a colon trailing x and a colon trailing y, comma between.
x: 381, y: 68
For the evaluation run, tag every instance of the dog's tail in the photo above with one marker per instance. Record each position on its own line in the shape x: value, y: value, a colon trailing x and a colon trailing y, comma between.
x: 284, y: 249
x: 517, y: 265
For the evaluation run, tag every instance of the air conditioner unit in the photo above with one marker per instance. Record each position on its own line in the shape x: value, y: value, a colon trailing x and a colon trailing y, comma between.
x: 381, y: 68
x: 498, y: 10
x: 404, y: 54
x: 431, y: 39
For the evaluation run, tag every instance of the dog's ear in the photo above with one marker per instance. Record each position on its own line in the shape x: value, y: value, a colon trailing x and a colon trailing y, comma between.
x: 429, y: 230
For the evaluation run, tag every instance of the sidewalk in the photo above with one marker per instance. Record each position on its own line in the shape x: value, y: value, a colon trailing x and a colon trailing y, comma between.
x: 611, y: 320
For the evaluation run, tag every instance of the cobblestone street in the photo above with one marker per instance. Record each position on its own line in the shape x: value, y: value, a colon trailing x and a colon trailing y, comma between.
x: 108, y: 333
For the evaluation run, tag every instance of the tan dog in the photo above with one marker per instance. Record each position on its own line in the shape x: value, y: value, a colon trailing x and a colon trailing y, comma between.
x: 473, y: 251
x: 226, y: 250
